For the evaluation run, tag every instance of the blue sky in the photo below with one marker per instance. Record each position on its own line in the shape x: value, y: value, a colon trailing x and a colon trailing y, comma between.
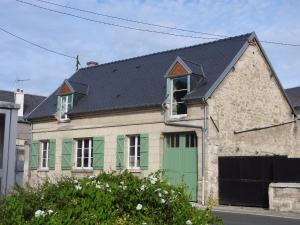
x: 271, y: 20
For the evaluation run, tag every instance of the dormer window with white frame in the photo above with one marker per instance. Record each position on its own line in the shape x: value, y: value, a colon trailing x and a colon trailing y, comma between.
x: 66, y: 102
x: 182, y: 76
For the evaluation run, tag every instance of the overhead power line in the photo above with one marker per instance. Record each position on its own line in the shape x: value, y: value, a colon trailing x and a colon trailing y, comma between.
x: 36, y: 45
x: 214, y: 36
x: 131, y: 20
x: 116, y: 25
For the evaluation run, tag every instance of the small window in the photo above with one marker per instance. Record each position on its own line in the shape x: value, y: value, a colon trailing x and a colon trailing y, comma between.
x: 84, y: 153
x: 134, y: 152
x: 190, y: 140
x: 66, y: 102
x: 173, y: 141
x: 180, y: 89
x: 44, y: 154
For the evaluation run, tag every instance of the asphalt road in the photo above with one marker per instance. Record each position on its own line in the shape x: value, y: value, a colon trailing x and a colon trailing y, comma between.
x: 230, y: 218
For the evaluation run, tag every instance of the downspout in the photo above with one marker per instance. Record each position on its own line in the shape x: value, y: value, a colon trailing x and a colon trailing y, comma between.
x: 203, y: 130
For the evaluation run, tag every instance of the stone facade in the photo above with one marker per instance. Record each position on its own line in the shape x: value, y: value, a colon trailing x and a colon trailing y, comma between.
x: 249, y: 97
x: 284, y: 197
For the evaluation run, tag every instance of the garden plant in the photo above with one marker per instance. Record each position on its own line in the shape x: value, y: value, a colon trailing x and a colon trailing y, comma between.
x: 110, y: 198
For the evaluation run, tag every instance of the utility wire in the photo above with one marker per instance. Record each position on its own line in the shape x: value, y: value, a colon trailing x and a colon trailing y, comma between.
x: 117, y: 25
x: 131, y: 20
x: 155, y: 25
x: 36, y: 45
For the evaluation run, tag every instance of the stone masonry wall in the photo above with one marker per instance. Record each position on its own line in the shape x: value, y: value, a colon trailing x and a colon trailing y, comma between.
x: 284, y: 197
x: 249, y: 97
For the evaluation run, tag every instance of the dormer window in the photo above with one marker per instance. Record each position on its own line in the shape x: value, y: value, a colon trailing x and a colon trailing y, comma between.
x: 66, y: 102
x: 182, y: 76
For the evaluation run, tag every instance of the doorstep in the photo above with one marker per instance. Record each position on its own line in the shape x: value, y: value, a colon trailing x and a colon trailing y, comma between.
x: 250, y: 211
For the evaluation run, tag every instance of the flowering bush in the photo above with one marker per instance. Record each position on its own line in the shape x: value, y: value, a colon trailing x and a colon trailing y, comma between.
x: 110, y: 198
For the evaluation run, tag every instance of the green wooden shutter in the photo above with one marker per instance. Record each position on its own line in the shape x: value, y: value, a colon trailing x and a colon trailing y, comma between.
x: 144, y: 149
x: 51, y: 156
x: 98, y: 152
x: 34, y: 155
x: 66, y: 155
x: 169, y: 81
x: 120, y: 152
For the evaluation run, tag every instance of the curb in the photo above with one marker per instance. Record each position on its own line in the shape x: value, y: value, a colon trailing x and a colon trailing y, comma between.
x: 251, y: 211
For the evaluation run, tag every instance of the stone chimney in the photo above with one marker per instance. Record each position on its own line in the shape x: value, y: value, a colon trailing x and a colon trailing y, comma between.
x: 19, y: 99
x: 92, y: 63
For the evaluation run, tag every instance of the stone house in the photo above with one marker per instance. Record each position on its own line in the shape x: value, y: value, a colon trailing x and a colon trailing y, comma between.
x: 27, y: 103
x: 178, y: 110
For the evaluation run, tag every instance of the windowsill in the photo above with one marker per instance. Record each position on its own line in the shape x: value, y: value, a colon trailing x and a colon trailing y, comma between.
x: 178, y: 117
x: 43, y: 170
x: 82, y: 170
x: 134, y: 170
x: 64, y: 120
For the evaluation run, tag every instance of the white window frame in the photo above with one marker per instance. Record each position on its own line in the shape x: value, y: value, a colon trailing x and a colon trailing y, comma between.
x: 136, y: 136
x: 63, y: 114
x: 176, y: 116
x: 82, y: 154
x: 47, y: 154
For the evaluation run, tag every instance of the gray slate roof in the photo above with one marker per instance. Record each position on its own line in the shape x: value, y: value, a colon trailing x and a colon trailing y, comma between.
x: 30, y: 101
x: 141, y: 82
x: 294, y: 96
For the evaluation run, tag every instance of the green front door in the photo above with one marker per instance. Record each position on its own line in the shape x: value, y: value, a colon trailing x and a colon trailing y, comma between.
x: 180, y: 161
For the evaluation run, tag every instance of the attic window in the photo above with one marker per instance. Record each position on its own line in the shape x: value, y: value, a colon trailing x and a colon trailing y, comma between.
x: 179, y: 87
x: 65, y: 105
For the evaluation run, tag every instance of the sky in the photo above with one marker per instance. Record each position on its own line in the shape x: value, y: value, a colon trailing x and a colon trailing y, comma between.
x: 271, y: 20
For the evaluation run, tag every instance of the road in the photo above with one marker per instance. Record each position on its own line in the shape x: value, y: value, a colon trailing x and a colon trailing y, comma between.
x: 231, y: 218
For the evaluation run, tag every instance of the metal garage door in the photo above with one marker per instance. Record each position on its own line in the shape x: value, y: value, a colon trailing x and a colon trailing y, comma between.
x: 180, y: 161
x: 244, y: 181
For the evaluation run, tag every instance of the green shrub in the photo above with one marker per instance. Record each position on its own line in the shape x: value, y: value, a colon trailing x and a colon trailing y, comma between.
x: 110, y: 198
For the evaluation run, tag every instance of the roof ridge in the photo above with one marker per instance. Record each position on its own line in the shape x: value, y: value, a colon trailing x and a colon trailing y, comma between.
x: 166, y: 51
x: 292, y: 88
x: 12, y: 92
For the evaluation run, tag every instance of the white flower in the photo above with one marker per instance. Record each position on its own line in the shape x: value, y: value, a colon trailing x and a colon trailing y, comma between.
x: 139, y: 206
x: 143, y: 187
x: 109, y: 190
x: 158, y: 189
x: 107, y: 185
x: 39, y: 213
x: 188, y: 222
x: 172, y: 192
x: 98, y: 186
x: 92, y: 177
x: 50, y: 211
x: 78, y: 187
x: 144, y: 223
x: 162, y: 200
x: 166, y: 192
x: 93, y: 182
x: 124, y: 188
x: 75, y: 181
x: 122, y: 182
x: 153, y: 179
x: 159, y: 194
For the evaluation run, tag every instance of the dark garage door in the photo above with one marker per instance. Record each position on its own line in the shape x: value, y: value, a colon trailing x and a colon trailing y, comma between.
x: 244, y: 181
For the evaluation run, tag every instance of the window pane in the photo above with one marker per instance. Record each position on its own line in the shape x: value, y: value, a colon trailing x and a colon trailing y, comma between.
x: 78, y: 162
x: 168, y: 141
x: 132, y: 140
x: 177, y: 141
x: 179, y: 91
x: 79, y: 144
x: 172, y: 141
x: 192, y: 140
x: 187, y: 140
x: 132, y: 151
x: 131, y: 161
x: 86, y: 162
